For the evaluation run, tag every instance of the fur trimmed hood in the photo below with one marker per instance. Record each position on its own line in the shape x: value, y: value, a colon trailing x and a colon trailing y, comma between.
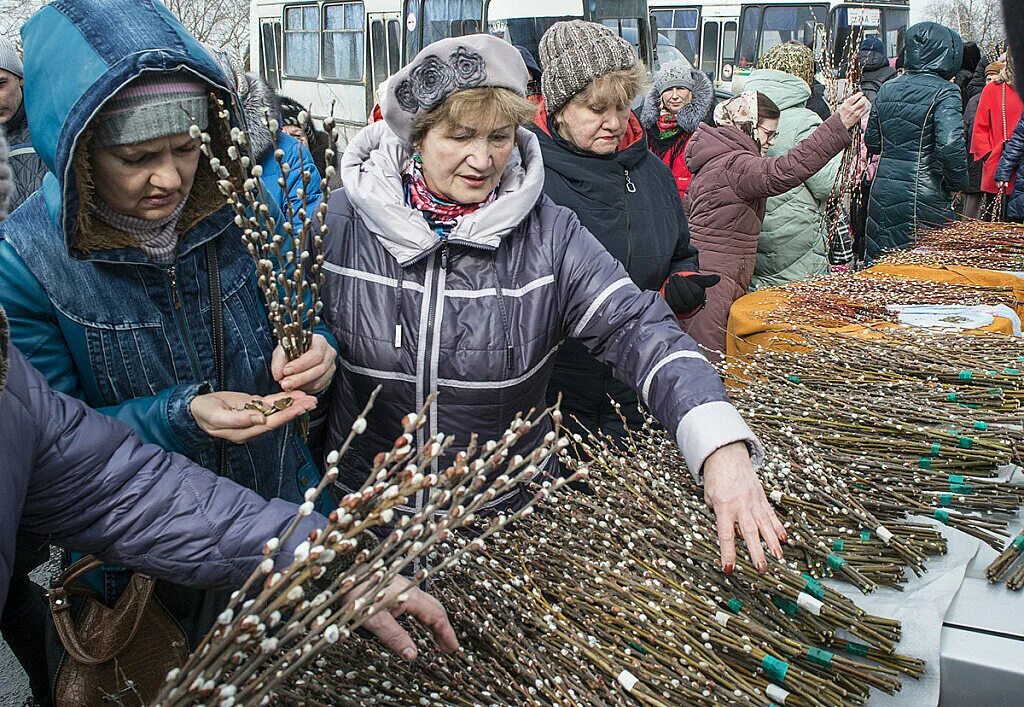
x: 258, y: 98
x: 691, y: 115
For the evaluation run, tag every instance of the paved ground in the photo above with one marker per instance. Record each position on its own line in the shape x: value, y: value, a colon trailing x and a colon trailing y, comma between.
x: 13, y: 682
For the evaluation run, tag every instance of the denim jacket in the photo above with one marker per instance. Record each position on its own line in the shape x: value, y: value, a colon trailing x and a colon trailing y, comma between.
x: 130, y: 337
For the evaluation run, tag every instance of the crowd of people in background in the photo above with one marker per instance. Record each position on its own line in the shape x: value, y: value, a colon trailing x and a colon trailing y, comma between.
x: 561, y: 226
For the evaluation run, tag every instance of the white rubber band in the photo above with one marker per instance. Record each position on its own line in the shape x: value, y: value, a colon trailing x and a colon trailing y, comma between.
x: 628, y: 680
x: 806, y: 601
x: 776, y: 496
x: 721, y: 618
x: 776, y: 694
x: 883, y: 533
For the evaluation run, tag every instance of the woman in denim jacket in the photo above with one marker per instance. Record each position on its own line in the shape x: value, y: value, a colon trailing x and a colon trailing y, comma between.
x: 105, y: 272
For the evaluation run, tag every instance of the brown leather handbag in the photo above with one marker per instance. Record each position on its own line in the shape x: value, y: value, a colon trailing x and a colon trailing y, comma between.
x: 113, y: 656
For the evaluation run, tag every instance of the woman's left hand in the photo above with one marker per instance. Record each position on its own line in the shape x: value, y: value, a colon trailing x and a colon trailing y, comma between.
x: 311, y: 372
x: 733, y: 490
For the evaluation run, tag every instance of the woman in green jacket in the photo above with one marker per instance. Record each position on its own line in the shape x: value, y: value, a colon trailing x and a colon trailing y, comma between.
x: 791, y: 246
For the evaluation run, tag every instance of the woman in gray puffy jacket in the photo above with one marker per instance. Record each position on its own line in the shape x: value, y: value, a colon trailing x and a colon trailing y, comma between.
x: 450, y: 274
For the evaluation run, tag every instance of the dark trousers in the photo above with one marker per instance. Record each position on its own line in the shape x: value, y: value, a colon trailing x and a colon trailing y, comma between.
x: 26, y: 615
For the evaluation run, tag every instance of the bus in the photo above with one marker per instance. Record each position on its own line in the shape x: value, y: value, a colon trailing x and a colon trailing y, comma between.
x: 332, y: 55
x: 726, y: 39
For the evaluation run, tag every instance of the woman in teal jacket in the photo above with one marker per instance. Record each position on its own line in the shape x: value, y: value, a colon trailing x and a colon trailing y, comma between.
x: 114, y: 273
x: 791, y: 246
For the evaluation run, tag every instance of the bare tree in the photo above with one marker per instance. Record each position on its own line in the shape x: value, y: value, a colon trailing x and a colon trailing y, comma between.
x: 979, y: 21
x: 13, y: 14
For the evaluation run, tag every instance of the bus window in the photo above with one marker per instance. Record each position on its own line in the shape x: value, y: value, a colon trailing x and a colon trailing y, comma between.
x: 728, y: 42
x: 783, y: 24
x: 301, y: 40
x: 343, y: 42
x: 894, y: 24
x: 270, y: 48
x: 438, y: 16
x: 394, y: 47
x: 680, y: 27
x: 751, y: 22
x: 378, y: 53
x: 524, y: 31
x: 709, y: 48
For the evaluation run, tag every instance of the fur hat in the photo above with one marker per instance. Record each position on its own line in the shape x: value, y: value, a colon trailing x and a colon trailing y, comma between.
x: 447, y: 67
x: 574, y: 53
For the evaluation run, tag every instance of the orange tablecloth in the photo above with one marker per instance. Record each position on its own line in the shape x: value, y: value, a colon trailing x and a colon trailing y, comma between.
x: 748, y: 329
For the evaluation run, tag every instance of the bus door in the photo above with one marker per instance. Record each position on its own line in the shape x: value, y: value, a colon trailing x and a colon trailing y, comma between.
x: 718, y: 48
x: 385, y: 51
x: 270, y: 51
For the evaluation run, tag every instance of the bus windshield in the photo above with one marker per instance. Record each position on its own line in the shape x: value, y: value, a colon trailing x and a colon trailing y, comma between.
x: 524, y: 31
x: 887, y: 23
x: 427, y: 21
x: 764, y: 26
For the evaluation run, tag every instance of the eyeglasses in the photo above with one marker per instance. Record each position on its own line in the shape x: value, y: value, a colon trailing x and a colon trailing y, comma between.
x: 769, y: 135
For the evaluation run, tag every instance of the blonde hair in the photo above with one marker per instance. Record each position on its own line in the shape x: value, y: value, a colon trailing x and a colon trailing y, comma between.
x: 488, y: 102
x: 617, y: 88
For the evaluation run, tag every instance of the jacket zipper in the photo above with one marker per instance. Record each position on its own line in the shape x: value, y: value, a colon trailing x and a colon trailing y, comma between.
x: 171, y: 274
x: 630, y: 189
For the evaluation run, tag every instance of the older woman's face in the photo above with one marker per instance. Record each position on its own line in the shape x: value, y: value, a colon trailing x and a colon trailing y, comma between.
x: 148, y: 179
x: 676, y: 98
x: 592, y: 127
x: 464, y: 163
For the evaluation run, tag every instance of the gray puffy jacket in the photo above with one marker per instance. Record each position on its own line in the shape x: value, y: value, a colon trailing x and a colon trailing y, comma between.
x: 477, y: 318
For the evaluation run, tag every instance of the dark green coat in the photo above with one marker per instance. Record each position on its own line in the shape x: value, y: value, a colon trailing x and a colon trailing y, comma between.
x: 916, y: 124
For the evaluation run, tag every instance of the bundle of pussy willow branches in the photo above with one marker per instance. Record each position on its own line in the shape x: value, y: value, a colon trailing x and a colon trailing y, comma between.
x: 977, y: 244
x: 864, y: 298
x: 613, y: 595
x: 340, y: 577
x: 279, y: 241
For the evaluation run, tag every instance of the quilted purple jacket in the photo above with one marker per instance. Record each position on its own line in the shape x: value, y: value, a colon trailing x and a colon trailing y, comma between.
x: 86, y: 482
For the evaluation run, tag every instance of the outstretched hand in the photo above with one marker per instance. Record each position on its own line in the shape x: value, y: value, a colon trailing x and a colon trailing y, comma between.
x: 420, y: 605
x: 223, y: 414
x: 733, y: 490
x: 853, y: 109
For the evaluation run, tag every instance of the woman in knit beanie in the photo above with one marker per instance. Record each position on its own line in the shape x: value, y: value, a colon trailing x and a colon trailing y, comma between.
x: 677, y: 103
x: 597, y: 163
x: 125, y: 278
x: 450, y: 272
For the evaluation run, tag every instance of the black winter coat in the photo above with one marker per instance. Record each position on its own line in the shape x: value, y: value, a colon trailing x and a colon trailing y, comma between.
x: 875, y: 71
x: 972, y: 96
x: 917, y: 126
x: 630, y: 202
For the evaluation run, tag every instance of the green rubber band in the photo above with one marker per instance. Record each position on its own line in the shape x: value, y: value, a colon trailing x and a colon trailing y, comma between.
x: 966, y: 442
x: 1020, y: 358
x: 956, y: 479
x: 996, y: 391
x: 857, y: 649
x: 788, y: 607
x: 966, y: 375
x: 991, y: 374
x: 962, y: 489
x: 951, y: 398
x: 1011, y: 371
x: 793, y: 379
x: 925, y: 462
x: 865, y: 535
x: 942, y: 515
x: 735, y: 605
x: 969, y: 406
x: 936, y: 448
x: 811, y: 585
x: 1018, y: 542
x: 980, y: 425
x: 822, y: 658
x: 838, y: 544
x: 775, y: 668
x: 637, y: 647
x: 945, y: 499
x: 835, y: 561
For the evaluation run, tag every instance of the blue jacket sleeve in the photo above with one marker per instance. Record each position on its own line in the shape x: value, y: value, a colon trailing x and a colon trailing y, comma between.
x: 95, y: 487
x: 636, y: 333
x: 163, y: 419
x: 1013, y: 154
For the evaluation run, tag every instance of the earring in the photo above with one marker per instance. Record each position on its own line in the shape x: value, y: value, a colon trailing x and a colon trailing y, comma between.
x: 417, y: 157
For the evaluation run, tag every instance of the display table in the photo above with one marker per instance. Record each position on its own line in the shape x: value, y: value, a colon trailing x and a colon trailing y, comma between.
x: 749, y: 327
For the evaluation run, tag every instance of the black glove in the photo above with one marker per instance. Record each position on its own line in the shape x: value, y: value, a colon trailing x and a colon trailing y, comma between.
x: 685, y: 293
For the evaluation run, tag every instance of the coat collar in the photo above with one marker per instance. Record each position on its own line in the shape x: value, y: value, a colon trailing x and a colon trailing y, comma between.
x: 371, y: 172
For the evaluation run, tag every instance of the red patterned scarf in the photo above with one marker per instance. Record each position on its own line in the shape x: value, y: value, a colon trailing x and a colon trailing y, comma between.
x: 668, y: 125
x: 442, y: 215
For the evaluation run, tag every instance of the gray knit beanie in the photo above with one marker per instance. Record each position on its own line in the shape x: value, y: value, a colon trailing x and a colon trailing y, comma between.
x: 446, y: 67
x: 674, y: 74
x: 574, y: 53
x: 9, y: 59
x: 152, y: 106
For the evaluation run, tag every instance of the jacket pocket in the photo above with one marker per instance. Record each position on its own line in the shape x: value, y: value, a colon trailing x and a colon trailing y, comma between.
x: 129, y: 361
